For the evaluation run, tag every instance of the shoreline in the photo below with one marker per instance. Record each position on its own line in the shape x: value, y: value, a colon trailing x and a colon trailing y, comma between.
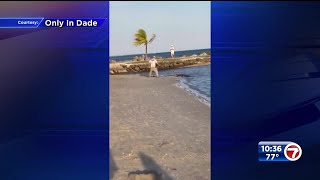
x: 201, y: 97
x: 181, y: 84
x: 155, y: 125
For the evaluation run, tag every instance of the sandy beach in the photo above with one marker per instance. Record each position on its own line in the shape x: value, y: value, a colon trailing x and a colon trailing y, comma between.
x: 157, y: 126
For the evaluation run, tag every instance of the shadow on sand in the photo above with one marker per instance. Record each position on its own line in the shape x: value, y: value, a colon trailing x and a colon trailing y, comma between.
x: 152, y: 170
x: 112, y: 165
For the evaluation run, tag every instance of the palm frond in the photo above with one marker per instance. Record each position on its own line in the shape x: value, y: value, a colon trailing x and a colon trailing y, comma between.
x: 152, y: 38
x: 138, y: 42
x: 140, y: 37
x: 142, y: 33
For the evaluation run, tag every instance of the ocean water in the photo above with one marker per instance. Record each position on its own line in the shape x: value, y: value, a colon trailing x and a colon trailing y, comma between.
x: 162, y: 54
x: 198, y: 84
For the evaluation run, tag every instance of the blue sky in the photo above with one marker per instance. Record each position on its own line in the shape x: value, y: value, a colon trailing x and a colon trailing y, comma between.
x: 186, y: 25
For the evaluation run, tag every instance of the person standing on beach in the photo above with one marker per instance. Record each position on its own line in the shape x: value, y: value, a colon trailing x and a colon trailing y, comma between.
x: 153, y: 66
x: 172, y: 51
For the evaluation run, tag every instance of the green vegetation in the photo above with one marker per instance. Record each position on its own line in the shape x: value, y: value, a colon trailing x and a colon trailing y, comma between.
x: 141, y: 38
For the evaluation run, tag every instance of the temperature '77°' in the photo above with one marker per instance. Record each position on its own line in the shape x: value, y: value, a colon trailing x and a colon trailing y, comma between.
x: 272, y: 156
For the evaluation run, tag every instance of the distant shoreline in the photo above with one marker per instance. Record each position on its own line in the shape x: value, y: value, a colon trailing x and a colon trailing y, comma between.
x: 177, y: 52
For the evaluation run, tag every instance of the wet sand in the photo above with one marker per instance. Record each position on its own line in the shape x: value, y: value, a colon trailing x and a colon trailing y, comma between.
x: 157, y: 126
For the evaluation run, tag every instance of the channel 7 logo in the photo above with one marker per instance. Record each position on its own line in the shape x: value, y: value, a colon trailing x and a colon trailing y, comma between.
x: 292, y: 152
x: 279, y: 151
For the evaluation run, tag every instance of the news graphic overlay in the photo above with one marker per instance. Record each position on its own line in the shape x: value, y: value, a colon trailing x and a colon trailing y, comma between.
x: 50, y: 23
x: 279, y: 151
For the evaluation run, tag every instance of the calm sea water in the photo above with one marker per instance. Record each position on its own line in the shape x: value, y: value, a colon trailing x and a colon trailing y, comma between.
x: 198, y: 84
x: 163, y: 54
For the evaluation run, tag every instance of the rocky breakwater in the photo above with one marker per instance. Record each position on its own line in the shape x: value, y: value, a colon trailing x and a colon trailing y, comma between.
x: 134, y: 66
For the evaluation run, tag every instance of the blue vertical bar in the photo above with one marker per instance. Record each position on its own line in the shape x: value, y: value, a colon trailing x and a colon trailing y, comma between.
x: 265, y: 86
x: 54, y: 99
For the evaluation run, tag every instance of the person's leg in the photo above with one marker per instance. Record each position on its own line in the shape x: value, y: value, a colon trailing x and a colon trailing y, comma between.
x: 174, y: 61
x: 150, y: 73
x: 156, y: 71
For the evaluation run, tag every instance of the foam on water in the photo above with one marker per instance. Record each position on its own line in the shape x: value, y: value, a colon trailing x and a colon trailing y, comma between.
x: 201, y: 97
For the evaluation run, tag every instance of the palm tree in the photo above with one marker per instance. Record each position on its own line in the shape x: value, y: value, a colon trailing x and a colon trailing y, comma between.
x: 141, y: 38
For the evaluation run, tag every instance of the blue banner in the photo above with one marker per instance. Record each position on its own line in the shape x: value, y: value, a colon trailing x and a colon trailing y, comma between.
x: 20, y: 22
x: 47, y: 22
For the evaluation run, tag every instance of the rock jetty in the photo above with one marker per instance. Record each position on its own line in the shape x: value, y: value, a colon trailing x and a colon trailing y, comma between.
x: 134, y: 66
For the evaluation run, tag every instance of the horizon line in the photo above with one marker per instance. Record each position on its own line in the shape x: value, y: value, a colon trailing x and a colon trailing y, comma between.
x: 158, y: 52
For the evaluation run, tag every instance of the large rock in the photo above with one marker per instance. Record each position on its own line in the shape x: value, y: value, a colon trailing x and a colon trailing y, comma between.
x: 125, y: 65
x: 122, y: 71
x: 137, y: 68
x: 136, y: 58
x: 203, y: 54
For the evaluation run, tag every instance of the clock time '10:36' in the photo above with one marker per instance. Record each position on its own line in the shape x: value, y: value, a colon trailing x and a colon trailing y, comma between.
x: 279, y: 151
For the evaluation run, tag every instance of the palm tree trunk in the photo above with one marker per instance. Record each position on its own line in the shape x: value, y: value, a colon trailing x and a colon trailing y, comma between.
x: 146, y: 51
